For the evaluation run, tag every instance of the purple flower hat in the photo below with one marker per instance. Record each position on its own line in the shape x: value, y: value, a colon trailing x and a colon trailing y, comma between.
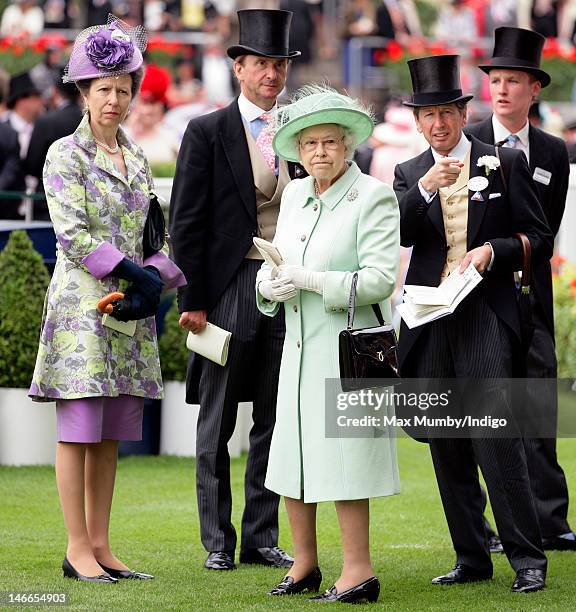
x: 106, y: 50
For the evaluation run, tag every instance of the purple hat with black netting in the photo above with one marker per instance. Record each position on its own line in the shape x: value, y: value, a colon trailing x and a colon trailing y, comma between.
x: 106, y: 50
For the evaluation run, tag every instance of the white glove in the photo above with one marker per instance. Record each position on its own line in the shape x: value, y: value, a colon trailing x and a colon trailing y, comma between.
x: 302, y: 278
x: 277, y: 289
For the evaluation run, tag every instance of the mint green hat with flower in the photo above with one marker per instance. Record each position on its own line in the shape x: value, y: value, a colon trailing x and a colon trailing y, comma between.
x: 315, y: 105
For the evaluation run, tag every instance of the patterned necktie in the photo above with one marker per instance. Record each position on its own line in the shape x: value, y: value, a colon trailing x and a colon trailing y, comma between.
x: 512, y: 141
x: 264, y: 142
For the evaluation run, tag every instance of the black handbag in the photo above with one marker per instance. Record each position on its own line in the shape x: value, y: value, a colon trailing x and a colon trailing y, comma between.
x: 366, y: 353
x: 154, y: 228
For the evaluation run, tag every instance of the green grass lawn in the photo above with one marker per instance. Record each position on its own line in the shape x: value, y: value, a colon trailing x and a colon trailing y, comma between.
x: 155, y: 529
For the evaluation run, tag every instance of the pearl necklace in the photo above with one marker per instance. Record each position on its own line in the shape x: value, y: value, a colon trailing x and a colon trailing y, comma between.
x: 108, y: 148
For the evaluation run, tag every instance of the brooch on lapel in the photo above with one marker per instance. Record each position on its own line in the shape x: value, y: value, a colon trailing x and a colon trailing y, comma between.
x: 352, y: 195
x: 489, y: 163
x: 478, y: 184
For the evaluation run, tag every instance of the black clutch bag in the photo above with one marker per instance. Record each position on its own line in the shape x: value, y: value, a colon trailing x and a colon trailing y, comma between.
x: 366, y: 353
x: 154, y: 228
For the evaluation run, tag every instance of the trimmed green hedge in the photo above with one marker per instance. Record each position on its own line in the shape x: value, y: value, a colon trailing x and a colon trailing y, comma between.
x: 172, y: 346
x: 24, y: 280
x: 564, y: 285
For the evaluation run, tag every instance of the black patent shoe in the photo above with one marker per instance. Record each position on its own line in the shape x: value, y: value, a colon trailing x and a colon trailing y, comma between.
x: 367, y: 591
x: 558, y: 543
x: 126, y: 574
x: 495, y: 544
x: 70, y: 572
x: 272, y: 556
x: 461, y: 574
x: 220, y: 560
x: 529, y: 580
x: 310, y: 583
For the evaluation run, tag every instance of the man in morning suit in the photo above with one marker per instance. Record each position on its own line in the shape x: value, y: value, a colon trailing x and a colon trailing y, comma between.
x: 48, y: 128
x: 515, y: 80
x: 455, y: 213
x: 11, y: 172
x: 226, y: 191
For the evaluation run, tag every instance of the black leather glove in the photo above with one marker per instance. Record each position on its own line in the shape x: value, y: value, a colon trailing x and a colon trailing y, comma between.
x: 135, y: 305
x: 147, y: 280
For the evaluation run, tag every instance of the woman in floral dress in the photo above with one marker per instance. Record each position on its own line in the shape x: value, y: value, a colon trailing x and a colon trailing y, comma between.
x: 98, y: 188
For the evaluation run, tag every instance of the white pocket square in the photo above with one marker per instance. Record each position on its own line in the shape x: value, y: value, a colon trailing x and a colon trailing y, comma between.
x: 494, y: 195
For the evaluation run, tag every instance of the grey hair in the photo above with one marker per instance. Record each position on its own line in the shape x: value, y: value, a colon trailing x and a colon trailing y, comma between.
x: 313, y: 89
x: 347, y: 139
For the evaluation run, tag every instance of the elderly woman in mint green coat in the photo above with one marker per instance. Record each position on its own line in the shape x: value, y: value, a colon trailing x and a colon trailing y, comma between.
x: 333, y: 223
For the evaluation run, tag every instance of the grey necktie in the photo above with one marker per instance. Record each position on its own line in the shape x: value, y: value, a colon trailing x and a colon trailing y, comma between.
x: 512, y: 141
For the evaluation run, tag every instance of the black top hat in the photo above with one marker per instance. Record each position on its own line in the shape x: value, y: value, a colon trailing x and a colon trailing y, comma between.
x: 265, y: 33
x: 21, y: 86
x: 518, y: 49
x: 436, y: 80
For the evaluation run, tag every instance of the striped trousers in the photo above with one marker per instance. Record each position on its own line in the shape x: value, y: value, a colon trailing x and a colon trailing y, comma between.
x: 251, y: 372
x: 474, y: 344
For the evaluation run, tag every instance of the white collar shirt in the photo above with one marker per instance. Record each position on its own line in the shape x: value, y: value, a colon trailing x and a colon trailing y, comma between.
x: 24, y: 130
x: 501, y: 133
x: 251, y: 114
x: 459, y: 151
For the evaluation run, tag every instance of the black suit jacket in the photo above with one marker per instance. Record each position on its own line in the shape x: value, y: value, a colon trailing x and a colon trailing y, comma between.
x: 49, y: 128
x: 493, y: 220
x: 549, y: 153
x: 213, y: 206
x: 11, y: 171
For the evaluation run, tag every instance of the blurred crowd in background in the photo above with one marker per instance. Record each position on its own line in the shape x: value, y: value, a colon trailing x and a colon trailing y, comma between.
x: 332, y: 35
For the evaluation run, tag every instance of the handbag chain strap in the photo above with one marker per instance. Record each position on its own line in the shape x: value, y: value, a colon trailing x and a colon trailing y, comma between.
x: 352, y: 305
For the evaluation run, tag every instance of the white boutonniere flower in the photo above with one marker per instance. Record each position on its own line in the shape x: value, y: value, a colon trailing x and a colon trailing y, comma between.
x: 490, y: 162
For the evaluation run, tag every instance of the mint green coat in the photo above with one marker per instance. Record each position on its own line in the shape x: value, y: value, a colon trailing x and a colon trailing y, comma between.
x: 353, y: 226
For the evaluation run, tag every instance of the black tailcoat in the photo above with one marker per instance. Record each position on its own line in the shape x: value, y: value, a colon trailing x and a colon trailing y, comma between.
x: 494, y: 220
x: 11, y: 171
x: 548, y: 153
x: 547, y: 477
x: 213, y: 206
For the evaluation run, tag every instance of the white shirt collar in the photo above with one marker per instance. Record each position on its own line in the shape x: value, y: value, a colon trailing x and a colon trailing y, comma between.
x: 18, y: 123
x: 459, y: 151
x: 501, y: 133
x: 249, y: 110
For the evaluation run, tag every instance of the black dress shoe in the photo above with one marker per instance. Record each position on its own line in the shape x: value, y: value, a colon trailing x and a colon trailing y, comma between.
x: 311, y: 583
x: 70, y: 572
x: 367, y: 591
x: 126, y: 574
x: 271, y: 556
x: 528, y: 580
x: 495, y: 544
x: 220, y: 560
x: 558, y: 543
x: 462, y: 573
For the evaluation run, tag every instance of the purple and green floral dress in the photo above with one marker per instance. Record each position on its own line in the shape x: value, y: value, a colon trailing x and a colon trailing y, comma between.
x: 99, y: 218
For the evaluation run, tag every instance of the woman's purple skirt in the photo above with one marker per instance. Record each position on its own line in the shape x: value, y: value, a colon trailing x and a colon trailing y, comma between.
x: 93, y: 419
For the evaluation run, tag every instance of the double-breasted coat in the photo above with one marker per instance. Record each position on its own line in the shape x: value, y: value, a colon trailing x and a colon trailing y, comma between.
x: 98, y: 216
x: 352, y: 227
